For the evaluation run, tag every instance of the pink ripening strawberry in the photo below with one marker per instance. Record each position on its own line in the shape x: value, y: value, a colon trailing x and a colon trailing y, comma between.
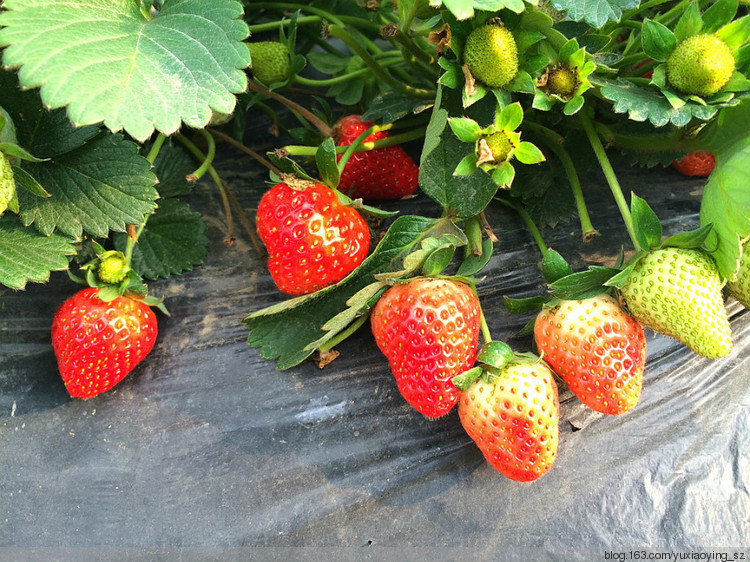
x: 597, y: 349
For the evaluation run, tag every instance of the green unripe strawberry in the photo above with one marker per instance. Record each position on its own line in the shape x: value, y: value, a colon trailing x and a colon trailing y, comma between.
x: 7, y: 183
x: 677, y: 292
x: 270, y: 61
x: 113, y: 268
x: 740, y: 287
x: 562, y: 81
x: 491, y: 55
x: 500, y: 145
x: 700, y: 65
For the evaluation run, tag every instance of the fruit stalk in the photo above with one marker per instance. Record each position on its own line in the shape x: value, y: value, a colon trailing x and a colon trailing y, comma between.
x: 609, y: 174
x: 247, y: 150
x: 379, y: 72
x: 528, y: 221
x: 299, y: 150
x: 554, y: 142
x: 316, y: 121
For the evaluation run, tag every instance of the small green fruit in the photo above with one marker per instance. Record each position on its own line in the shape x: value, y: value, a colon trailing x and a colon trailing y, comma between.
x: 740, y: 287
x: 677, y: 292
x: 491, y: 55
x: 7, y: 183
x: 270, y: 61
x: 562, y: 81
x: 700, y: 65
x: 500, y: 145
x: 113, y: 268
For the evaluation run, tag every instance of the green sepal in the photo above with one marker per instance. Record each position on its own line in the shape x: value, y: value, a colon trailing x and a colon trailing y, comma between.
x: 657, y: 40
x: 495, y: 354
x: 467, y: 165
x: 504, y: 174
x: 621, y: 278
x: 372, y: 211
x: 646, y: 224
x: 438, y: 260
x: 325, y: 159
x: 15, y: 151
x: 525, y: 305
x: 691, y: 239
x: 464, y: 380
x: 554, y: 266
x: 527, y: 330
x: 473, y: 264
x: 584, y: 284
x: 690, y: 23
x: 467, y: 130
x: 527, y: 153
x: 719, y: 14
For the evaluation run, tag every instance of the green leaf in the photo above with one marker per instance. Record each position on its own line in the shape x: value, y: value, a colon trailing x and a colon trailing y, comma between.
x: 107, y: 62
x: 726, y: 197
x: 527, y: 153
x: 327, y: 63
x: 584, y: 284
x: 392, y: 106
x: 719, y: 14
x: 325, y: 159
x: 594, y: 12
x: 554, y: 266
x: 172, y: 166
x: 643, y: 104
x: 690, y: 23
x: 658, y: 40
x: 646, y: 224
x: 25, y: 255
x: 467, y: 130
x: 27, y: 181
x: 173, y: 241
x: 284, y: 331
x: 474, y: 264
x: 43, y: 133
x: 99, y: 187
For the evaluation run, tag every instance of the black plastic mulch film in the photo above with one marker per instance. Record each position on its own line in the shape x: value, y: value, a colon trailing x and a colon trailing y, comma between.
x: 208, y: 445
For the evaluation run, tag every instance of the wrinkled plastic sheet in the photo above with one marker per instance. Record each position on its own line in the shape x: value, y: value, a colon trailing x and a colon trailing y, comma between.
x: 208, y: 446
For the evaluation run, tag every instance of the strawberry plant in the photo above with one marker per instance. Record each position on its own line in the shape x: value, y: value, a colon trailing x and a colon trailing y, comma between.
x: 105, y: 130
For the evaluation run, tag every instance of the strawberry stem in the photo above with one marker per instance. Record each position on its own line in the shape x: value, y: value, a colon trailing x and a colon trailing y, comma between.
x: 379, y: 72
x: 321, y: 125
x: 198, y: 174
x: 247, y: 150
x: 554, y: 142
x: 343, y: 77
x: 609, y: 174
x: 274, y: 25
x: 528, y: 221
x: 299, y: 150
x: 155, y: 148
x: 198, y: 154
x: 356, y: 143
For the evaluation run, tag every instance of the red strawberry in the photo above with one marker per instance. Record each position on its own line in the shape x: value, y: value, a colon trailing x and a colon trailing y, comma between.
x: 514, y: 419
x: 597, y: 349
x: 98, y: 343
x: 428, y: 329
x: 313, y: 240
x: 698, y: 164
x: 383, y: 173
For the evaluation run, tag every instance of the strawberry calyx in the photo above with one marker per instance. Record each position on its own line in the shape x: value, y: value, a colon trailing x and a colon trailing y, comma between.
x: 492, y: 359
x: 110, y: 272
